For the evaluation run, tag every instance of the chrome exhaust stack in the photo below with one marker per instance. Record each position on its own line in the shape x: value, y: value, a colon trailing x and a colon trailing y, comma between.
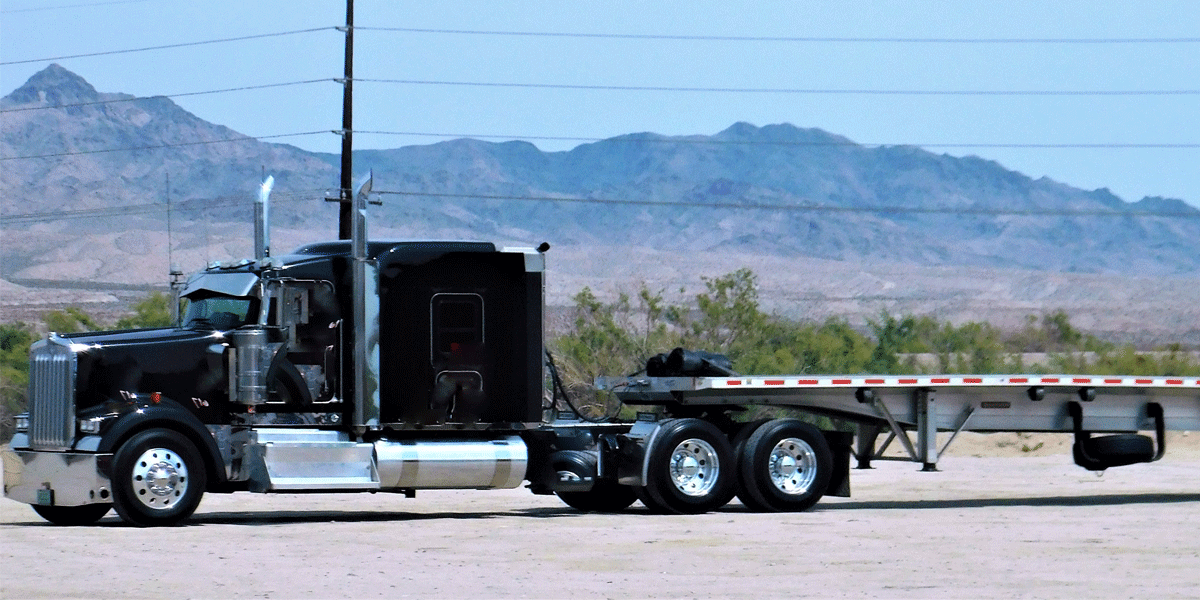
x: 366, y: 315
x: 262, y: 221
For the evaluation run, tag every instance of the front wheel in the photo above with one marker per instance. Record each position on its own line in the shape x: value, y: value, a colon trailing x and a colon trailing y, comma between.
x: 785, y: 466
x: 158, y: 478
x: 72, y: 515
x: 691, y: 468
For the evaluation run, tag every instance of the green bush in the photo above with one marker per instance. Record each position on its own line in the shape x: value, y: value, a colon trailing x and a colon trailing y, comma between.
x: 617, y: 338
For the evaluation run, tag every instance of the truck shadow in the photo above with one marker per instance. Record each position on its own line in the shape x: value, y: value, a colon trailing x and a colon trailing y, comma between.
x: 269, y: 518
x: 284, y: 517
x: 367, y: 516
x: 1050, y: 501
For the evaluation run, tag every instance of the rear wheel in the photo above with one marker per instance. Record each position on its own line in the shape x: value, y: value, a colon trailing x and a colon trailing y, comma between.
x: 158, y: 478
x: 739, y: 448
x: 784, y: 466
x: 605, y: 496
x: 691, y: 468
x: 72, y: 515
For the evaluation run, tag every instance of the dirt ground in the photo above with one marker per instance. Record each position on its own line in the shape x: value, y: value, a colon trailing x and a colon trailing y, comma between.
x: 996, y: 522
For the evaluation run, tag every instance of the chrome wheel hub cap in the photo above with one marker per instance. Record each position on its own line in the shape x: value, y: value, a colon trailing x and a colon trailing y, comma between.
x: 793, y: 466
x: 694, y: 467
x: 160, y: 478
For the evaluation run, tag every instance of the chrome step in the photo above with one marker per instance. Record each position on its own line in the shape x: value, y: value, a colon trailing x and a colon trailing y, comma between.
x: 302, y: 460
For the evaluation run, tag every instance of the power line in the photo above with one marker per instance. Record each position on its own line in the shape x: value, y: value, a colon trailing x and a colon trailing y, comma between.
x: 1192, y: 214
x: 193, y: 204
x: 801, y: 39
x: 681, y: 141
x: 174, y: 145
x: 168, y: 46
x: 812, y: 91
x: 180, y: 95
x: 311, y: 194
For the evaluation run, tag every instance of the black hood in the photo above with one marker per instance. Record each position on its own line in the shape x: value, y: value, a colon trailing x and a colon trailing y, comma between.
x: 181, y: 364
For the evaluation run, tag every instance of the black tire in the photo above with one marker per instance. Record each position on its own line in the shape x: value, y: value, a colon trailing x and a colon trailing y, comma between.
x: 691, y: 468
x: 72, y: 515
x: 605, y: 497
x: 1116, y: 450
x: 739, y: 448
x: 785, y: 466
x: 158, y: 478
x: 654, y: 506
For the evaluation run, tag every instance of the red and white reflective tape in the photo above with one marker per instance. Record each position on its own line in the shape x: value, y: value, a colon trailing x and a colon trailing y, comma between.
x: 933, y: 381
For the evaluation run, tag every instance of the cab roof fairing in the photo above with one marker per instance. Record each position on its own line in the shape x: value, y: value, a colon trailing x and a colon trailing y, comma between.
x: 237, y: 284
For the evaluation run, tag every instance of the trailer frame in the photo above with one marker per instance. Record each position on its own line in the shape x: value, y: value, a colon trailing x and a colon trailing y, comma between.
x: 928, y: 404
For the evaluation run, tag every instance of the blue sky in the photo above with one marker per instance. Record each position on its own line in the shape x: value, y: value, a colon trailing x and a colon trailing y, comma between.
x: 35, y: 29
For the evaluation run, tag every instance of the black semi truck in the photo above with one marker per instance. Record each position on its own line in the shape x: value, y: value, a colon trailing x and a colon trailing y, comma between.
x: 356, y: 366
x: 350, y: 366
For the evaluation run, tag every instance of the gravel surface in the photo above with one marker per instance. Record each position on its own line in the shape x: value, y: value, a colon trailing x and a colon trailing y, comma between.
x: 982, y: 527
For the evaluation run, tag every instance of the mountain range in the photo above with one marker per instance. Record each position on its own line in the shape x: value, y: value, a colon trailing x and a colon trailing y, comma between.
x: 777, y: 192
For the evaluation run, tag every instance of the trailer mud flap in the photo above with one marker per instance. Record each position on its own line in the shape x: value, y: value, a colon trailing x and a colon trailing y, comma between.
x: 839, y: 445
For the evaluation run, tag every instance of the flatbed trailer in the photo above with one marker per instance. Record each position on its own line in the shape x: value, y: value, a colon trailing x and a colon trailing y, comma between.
x: 927, y: 404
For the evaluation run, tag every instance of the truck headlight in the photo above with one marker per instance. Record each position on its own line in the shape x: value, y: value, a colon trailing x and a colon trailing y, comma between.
x: 21, y: 422
x: 90, y: 425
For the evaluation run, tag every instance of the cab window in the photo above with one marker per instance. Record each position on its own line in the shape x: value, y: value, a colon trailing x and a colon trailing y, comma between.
x: 218, y: 312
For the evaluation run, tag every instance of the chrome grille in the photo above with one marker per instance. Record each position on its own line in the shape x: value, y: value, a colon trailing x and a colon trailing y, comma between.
x: 51, y: 395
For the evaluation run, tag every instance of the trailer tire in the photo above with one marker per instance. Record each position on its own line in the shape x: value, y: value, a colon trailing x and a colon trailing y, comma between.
x: 1117, y: 450
x: 691, y: 469
x: 158, y: 478
x: 785, y: 467
x: 70, y: 516
x: 739, y: 448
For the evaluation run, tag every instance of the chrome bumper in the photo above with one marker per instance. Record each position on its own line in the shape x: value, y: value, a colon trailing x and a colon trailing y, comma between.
x: 56, y: 478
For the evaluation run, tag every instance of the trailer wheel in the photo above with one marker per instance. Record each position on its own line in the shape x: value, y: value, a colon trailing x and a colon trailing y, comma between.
x: 72, y: 515
x: 691, y: 468
x: 158, y: 478
x: 785, y: 466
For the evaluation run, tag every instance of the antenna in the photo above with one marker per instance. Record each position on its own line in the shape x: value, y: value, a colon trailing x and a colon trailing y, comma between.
x: 170, y: 259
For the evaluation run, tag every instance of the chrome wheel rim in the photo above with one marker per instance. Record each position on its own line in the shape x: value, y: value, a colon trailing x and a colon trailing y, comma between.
x: 793, y: 466
x: 694, y: 467
x: 159, y: 478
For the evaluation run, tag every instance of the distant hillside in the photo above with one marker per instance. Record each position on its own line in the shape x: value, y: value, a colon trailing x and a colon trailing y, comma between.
x: 942, y: 210
x: 947, y: 210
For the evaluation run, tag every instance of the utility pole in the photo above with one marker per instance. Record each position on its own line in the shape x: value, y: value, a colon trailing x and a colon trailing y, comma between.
x: 345, y: 196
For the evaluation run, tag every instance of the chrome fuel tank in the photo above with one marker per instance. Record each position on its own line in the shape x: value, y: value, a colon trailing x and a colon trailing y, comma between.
x: 452, y: 464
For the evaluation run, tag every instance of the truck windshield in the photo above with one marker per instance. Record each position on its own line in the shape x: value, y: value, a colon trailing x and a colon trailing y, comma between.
x: 218, y: 312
